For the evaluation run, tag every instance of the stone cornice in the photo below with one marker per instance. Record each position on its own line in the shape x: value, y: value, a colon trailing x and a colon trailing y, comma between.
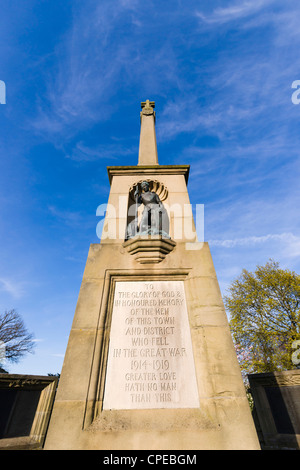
x: 26, y: 381
x: 148, y: 170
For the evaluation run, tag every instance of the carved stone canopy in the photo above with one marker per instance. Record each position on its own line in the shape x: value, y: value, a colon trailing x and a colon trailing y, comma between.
x: 154, y: 185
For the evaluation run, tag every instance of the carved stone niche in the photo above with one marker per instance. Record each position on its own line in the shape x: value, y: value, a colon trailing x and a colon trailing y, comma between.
x: 148, y: 248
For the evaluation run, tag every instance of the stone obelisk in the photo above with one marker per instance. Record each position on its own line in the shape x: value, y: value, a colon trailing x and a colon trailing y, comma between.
x: 148, y: 148
x: 150, y: 363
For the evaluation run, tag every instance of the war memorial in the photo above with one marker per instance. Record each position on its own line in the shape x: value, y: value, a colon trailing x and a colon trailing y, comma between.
x: 150, y: 362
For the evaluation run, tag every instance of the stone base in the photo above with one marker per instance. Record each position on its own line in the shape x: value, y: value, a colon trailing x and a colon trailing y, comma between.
x: 149, y: 248
x: 221, y: 421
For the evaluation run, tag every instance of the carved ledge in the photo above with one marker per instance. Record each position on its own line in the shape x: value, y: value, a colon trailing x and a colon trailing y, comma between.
x: 149, y: 248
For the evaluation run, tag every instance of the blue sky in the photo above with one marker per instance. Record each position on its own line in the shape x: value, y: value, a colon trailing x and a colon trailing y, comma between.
x: 75, y: 74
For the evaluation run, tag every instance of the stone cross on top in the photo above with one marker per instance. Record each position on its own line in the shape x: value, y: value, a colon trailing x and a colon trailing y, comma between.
x: 147, y: 107
x: 148, y: 147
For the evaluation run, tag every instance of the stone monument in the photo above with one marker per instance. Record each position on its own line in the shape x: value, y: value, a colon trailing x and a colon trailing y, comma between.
x: 150, y: 362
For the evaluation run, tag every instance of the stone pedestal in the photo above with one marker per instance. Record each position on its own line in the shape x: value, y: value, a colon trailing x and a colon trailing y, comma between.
x: 149, y: 249
x: 155, y: 374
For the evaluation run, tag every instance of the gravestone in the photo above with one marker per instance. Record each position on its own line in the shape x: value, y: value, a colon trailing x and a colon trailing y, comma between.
x: 150, y: 362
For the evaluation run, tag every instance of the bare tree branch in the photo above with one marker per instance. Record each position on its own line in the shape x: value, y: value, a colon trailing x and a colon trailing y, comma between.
x: 14, y: 335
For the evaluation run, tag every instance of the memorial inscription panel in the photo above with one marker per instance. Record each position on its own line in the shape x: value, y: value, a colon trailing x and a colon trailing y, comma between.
x: 150, y: 359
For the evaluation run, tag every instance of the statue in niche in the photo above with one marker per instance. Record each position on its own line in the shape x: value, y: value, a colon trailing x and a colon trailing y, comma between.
x: 155, y: 220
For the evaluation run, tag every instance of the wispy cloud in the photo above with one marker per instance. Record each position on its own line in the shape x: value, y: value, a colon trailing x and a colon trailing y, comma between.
x: 291, y: 242
x: 89, y: 62
x: 102, y: 53
x: 71, y: 218
x: 242, y: 91
x: 172, y: 122
x: 15, y: 288
x: 84, y: 153
x: 235, y: 11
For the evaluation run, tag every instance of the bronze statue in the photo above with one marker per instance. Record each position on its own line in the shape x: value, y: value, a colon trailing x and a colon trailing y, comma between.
x: 155, y: 220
